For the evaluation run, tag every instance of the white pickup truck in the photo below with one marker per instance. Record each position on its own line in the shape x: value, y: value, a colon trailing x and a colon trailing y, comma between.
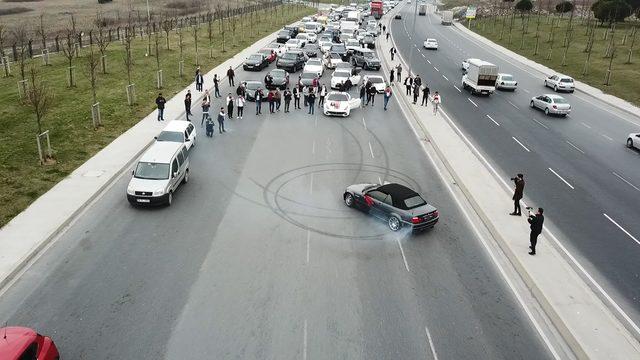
x: 480, y: 77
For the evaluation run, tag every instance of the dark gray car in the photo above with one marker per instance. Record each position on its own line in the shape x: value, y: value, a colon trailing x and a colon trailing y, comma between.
x: 278, y: 78
x: 306, y: 78
x: 396, y: 204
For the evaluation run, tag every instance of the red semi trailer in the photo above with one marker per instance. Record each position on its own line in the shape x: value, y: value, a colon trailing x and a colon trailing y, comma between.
x: 376, y: 9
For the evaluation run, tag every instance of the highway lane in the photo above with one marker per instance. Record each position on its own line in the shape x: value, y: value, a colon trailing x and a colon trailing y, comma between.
x: 258, y: 258
x: 576, y: 168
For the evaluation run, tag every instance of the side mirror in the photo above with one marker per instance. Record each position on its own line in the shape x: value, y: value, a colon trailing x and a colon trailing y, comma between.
x: 133, y: 172
x: 155, y: 138
x: 174, y: 174
x: 187, y: 140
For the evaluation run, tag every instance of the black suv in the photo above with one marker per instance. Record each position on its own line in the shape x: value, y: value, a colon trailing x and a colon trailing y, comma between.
x: 284, y: 36
x: 291, y: 61
x: 341, y: 50
x: 365, y: 58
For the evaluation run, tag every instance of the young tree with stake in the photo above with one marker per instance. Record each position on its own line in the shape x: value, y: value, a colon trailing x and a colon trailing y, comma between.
x: 39, y: 98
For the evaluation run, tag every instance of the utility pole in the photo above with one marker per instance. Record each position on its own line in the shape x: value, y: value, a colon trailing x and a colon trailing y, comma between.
x: 148, y: 12
x: 413, y: 33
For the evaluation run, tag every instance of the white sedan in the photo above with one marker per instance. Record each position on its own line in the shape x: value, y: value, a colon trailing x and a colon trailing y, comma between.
x: 294, y: 44
x: 560, y: 82
x: 325, y: 46
x: 431, y: 44
x: 633, y: 141
x: 339, y: 104
x: 506, y: 82
x: 377, y: 82
x: 314, y: 66
x: 307, y: 37
x: 551, y: 104
x: 339, y: 77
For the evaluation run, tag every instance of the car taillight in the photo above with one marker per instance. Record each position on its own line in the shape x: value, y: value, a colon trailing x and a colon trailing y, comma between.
x: 555, y: 107
x: 416, y: 220
x: 435, y: 214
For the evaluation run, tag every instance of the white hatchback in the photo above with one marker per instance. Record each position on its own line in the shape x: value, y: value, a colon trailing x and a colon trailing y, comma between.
x: 377, y: 82
x: 506, y: 82
x: 431, y: 44
x: 179, y: 131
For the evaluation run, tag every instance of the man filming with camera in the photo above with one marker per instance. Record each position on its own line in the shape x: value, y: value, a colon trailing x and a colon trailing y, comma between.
x: 517, y: 194
x: 536, y: 220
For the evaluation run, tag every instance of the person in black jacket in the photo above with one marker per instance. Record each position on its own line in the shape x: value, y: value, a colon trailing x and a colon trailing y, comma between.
x: 425, y: 95
x: 187, y: 104
x: 372, y: 95
x: 518, y: 192
x: 231, y: 74
x: 536, y: 222
x: 160, y: 101
x: 296, y: 98
x: 287, y: 99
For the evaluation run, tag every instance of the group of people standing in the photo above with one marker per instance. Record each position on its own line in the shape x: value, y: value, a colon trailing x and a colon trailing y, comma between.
x: 415, y: 87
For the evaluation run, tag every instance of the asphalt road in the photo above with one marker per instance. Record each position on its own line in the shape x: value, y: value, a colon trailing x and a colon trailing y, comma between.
x: 577, y: 168
x: 258, y: 258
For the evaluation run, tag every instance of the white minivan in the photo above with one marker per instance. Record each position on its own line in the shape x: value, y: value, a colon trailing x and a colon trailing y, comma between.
x: 180, y: 131
x: 158, y: 173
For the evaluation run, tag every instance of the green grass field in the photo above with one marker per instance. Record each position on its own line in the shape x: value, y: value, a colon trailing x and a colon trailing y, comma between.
x: 23, y: 179
x: 625, y: 77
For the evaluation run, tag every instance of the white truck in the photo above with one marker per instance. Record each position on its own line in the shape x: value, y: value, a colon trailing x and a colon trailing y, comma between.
x: 480, y: 77
x: 447, y: 17
x: 422, y: 9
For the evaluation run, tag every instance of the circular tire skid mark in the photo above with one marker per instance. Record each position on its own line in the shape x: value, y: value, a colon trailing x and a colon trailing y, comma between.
x: 288, y: 207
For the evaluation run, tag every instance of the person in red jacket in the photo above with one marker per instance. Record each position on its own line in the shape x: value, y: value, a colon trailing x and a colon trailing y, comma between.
x: 271, y: 100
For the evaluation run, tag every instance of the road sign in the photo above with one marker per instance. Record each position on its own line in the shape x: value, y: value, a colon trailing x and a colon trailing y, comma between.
x: 471, y: 12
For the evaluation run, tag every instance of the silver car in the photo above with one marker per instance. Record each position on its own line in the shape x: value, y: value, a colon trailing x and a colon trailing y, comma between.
x: 560, y: 82
x: 633, y: 141
x: 506, y: 82
x: 551, y: 104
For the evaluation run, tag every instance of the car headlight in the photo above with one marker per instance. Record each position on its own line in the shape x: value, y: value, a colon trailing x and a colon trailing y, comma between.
x: 130, y: 190
x: 158, y: 192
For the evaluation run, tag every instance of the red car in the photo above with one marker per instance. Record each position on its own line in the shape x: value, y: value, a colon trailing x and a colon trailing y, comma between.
x: 269, y: 53
x: 19, y: 343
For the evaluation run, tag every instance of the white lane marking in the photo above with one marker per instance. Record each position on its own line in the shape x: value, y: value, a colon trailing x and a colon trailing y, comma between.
x: 379, y: 180
x: 313, y: 147
x: 406, y: 264
x: 304, y: 341
x: 433, y: 348
x: 621, y: 228
x: 573, y: 146
x: 308, y: 244
x: 364, y: 123
x: 429, y: 61
x: 311, y: 184
x: 495, y: 122
x: 315, y: 121
x: 445, y: 77
x: 471, y: 101
x: 514, y: 105
x: 516, y: 140
x: 585, y: 125
x: 625, y: 180
x: 423, y: 56
x: 471, y: 223
x: 527, y: 91
x: 436, y: 69
x: 606, y: 137
x: 541, y: 124
x: 457, y: 88
x: 371, y: 150
x: 561, y: 178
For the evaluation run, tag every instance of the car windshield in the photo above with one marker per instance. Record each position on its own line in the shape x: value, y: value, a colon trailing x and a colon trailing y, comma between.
x: 152, y: 171
x: 293, y: 41
x: 337, y: 97
x: 334, y: 56
x: 314, y: 62
x: 376, y: 80
x: 352, y: 42
x: 278, y: 74
x: 308, y: 75
x: 255, y: 57
x: 310, y: 26
x: 338, y: 48
x: 566, y: 80
x: 507, y: 77
x: 368, y: 38
x: 289, y: 56
x: 341, y: 74
x: 368, y: 55
x: 559, y: 100
x: 284, y: 33
x: 251, y: 85
x: 171, y: 136
x: 414, y: 202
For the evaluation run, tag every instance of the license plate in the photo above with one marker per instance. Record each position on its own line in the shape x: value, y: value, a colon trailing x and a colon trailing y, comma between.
x: 143, y: 200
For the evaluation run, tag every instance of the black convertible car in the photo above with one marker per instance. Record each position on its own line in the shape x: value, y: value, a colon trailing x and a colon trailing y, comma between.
x: 394, y: 203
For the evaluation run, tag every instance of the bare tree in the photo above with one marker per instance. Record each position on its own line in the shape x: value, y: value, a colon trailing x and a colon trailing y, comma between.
x: 40, y: 31
x: 102, y: 40
x: 92, y: 64
x: 222, y: 26
x: 167, y: 25
x: 3, y: 31
x: 128, y: 58
x: 39, y: 98
x: 633, y: 40
x: 157, y: 46
x: 195, y: 40
x: 69, y: 50
x: 21, y: 38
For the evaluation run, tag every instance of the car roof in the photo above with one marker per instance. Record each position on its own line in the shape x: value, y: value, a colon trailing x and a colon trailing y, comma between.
x: 375, y: 76
x: 397, y: 191
x: 431, y: 39
x: 176, y: 125
x: 17, y: 340
x: 554, y: 96
x: 161, y: 152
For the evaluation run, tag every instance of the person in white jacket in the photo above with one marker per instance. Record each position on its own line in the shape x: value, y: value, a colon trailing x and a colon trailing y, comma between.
x: 437, y: 100
x: 323, y: 93
x: 240, y: 104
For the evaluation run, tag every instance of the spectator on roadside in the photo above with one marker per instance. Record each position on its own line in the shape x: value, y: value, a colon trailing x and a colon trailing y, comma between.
x: 536, y: 222
x: 296, y: 98
x: 425, y: 95
x: 347, y: 85
x: 271, y: 102
x: 199, y: 79
x: 387, y: 96
x: 231, y: 74
x: 363, y: 93
x: 230, y: 106
x: 393, y: 52
x: 416, y: 92
x: 187, y: 104
x: 408, y: 82
x: 240, y: 90
x: 160, y: 101
x: 372, y: 95
x: 518, y: 193
x: 437, y: 100
x: 287, y: 99
x: 387, y: 36
x: 384, y: 28
x: 258, y: 95
x: 311, y: 99
x: 277, y: 97
x: 221, y: 121
x: 392, y: 74
x: 323, y: 93
x: 205, y: 110
x: 305, y: 94
x: 216, y: 86
x: 240, y: 102
x: 399, y: 71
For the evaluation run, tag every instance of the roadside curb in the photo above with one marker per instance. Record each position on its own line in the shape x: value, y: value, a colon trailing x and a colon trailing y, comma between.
x: 36, y: 227
x: 584, y: 88
x: 595, y: 333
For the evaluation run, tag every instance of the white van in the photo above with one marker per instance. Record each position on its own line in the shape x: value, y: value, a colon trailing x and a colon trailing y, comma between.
x: 312, y: 27
x: 180, y: 131
x: 158, y: 173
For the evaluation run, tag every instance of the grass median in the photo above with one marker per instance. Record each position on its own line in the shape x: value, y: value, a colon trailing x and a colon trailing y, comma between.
x: 569, y: 57
x: 73, y: 138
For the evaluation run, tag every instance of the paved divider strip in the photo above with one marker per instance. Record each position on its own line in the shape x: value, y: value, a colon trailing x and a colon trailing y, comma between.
x: 47, y: 217
x: 587, y: 325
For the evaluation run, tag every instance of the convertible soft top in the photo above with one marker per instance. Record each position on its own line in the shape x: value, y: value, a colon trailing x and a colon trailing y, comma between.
x: 398, y: 193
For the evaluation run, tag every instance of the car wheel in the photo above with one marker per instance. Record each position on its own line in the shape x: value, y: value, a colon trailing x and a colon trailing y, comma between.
x: 185, y: 179
x: 170, y: 198
x: 555, y: 88
x: 532, y: 105
x: 571, y: 91
x: 394, y: 223
x: 545, y: 84
x: 546, y: 111
x: 629, y: 143
x: 348, y: 200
